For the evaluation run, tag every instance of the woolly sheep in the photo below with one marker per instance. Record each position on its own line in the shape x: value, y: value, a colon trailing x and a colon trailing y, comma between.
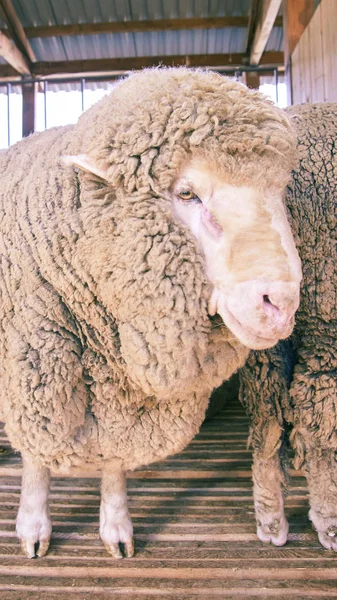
x: 294, y: 385
x: 120, y: 236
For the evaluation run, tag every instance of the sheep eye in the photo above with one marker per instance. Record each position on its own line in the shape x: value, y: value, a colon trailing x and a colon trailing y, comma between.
x: 188, y: 196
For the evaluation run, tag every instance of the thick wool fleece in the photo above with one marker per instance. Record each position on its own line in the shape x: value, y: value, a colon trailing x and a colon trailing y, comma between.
x: 296, y: 381
x: 161, y: 116
x: 106, y: 349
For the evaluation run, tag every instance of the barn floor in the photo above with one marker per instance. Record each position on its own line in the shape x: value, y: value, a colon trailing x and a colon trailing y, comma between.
x: 194, y: 532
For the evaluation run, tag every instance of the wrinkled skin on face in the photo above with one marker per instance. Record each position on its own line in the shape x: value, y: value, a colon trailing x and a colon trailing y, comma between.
x: 250, y: 256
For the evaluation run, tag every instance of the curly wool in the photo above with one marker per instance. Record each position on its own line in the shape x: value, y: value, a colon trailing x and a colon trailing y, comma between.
x: 160, y: 116
x: 296, y: 381
x: 106, y: 349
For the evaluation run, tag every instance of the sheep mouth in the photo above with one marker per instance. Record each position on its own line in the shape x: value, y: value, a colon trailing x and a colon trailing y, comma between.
x: 242, y: 334
x: 246, y: 336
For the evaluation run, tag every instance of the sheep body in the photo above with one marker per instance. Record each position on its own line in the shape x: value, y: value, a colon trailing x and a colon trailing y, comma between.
x: 107, y: 353
x: 294, y: 384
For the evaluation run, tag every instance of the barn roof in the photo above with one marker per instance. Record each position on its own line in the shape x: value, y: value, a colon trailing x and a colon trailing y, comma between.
x: 77, y: 36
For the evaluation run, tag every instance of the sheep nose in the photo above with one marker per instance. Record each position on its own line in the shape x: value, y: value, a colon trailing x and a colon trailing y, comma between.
x: 279, y: 304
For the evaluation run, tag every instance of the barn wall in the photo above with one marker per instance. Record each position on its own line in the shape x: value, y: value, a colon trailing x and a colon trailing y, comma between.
x: 314, y: 60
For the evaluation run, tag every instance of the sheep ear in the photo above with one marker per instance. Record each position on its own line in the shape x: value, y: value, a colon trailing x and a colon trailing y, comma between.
x: 87, y: 164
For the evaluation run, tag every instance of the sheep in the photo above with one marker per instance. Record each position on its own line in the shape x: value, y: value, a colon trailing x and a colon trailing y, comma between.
x: 144, y: 250
x: 290, y: 390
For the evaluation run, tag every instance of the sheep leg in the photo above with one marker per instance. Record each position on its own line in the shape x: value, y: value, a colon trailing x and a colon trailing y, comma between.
x: 33, y: 524
x: 115, y: 523
x: 272, y: 525
x: 322, y: 482
x: 264, y: 382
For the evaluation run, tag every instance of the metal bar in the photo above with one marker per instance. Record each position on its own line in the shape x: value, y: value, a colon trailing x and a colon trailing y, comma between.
x: 227, y: 70
x: 8, y: 114
x: 276, y: 85
x: 82, y: 92
x: 28, y: 108
x: 45, y: 103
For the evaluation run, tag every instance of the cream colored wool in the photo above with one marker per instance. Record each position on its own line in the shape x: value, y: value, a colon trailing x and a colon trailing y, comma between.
x: 107, y: 352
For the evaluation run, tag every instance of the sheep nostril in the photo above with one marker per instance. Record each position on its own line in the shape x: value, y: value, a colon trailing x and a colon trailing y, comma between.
x: 278, y: 316
x: 268, y: 303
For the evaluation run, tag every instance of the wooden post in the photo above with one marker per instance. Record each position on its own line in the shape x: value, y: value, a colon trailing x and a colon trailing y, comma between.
x: 252, y: 79
x: 296, y: 17
x: 264, y: 25
x: 28, y: 108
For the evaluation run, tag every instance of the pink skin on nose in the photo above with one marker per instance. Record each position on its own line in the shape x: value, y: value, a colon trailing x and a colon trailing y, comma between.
x: 265, y: 307
x: 279, y: 317
x: 279, y: 301
x: 210, y: 222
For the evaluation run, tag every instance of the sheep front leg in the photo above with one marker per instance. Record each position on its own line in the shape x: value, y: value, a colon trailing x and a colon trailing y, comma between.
x: 272, y: 525
x: 115, y: 523
x: 33, y: 524
x: 321, y: 472
x: 264, y: 382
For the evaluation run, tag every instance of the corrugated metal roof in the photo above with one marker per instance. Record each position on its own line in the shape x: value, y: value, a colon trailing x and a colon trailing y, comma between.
x: 58, y: 12
x: 61, y: 12
x: 275, y: 41
x: 152, y: 43
x: 121, y: 45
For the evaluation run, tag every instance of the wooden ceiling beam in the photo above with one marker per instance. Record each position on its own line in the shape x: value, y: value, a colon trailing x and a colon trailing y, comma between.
x: 121, y: 65
x: 136, y: 26
x: 16, y: 30
x: 43, y: 69
x: 13, y: 57
x: 8, y: 72
x: 266, y: 20
x: 254, y: 16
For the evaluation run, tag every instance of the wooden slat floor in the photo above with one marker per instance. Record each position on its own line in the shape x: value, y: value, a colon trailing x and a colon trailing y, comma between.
x: 194, y: 532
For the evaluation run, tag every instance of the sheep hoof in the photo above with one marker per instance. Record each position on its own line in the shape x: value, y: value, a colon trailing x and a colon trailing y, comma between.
x: 34, y: 535
x: 332, y: 532
x: 273, y: 530
x: 328, y: 540
x: 117, y: 537
x: 326, y: 528
x: 28, y: 548
x: 115, y: 550
x: 129, y: 549
x: 34, y: 549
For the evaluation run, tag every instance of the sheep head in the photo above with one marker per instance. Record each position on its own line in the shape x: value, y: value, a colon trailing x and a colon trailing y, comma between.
x: 250, y: 255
